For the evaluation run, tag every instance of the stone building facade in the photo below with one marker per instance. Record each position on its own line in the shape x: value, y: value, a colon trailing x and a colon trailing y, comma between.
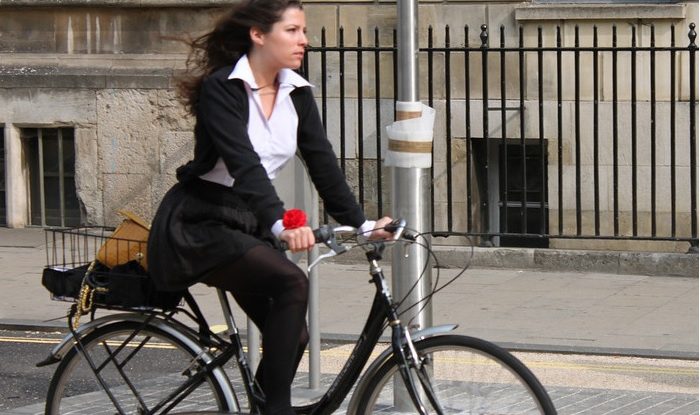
x: 101, y: 71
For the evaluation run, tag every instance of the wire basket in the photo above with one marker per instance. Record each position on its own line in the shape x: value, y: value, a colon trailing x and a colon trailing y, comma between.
x: 71, y: 263
x: 69, y: 253
x: 75, y: 247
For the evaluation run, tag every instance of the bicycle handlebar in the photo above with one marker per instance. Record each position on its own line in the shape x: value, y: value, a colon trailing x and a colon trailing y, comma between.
x: 326, y: 234
x: 321, y: 234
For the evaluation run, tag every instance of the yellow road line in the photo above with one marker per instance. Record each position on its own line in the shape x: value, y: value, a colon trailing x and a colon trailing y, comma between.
x: 219, y: 328
x: 33, y: 340
x: 28, y: 340
x: 612, y: 368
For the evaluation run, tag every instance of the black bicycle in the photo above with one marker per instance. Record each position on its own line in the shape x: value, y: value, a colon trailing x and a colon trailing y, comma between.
x: 150, y: 361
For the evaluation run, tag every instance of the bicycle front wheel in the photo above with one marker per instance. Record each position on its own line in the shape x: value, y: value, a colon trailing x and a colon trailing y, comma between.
x: 140, y: 368
x: 466, y: 376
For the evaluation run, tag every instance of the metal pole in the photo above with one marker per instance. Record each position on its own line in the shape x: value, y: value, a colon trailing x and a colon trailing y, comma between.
x: 314, y: 305
x: 410, y: 187
x: 407, y: 50
x: 253, y: 340
x: 411, y: 272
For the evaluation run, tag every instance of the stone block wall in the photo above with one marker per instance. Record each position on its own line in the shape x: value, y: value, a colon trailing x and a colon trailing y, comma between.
x: 106, y: 67
x: 127, y: 143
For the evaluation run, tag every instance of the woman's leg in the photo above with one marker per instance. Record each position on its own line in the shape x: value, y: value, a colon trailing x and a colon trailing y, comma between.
x: 256, y: 308
x: 273, y: 291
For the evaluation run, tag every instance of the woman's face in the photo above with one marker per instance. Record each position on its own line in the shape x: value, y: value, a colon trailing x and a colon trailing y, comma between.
x: 283, y: 46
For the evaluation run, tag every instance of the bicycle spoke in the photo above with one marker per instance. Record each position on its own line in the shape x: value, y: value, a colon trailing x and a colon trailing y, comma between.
x: 405, y: 370
x: 464, y: 376
x: 425, y: 379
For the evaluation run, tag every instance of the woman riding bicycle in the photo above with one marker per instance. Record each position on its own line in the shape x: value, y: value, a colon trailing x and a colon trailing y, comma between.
x: 222, y: 222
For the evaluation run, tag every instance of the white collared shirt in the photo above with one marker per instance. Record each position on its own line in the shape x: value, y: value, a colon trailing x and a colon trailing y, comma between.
x: 274, y: 139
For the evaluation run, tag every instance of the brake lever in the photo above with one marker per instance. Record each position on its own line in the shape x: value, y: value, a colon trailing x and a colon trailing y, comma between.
x: 332, y: 243
x: 321, y: 258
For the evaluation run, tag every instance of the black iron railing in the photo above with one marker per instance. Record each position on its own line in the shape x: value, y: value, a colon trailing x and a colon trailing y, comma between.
x: 624, y: 158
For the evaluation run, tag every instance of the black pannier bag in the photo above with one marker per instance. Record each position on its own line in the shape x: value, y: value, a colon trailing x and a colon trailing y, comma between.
x: 63, y: 283
x: 127, y: 285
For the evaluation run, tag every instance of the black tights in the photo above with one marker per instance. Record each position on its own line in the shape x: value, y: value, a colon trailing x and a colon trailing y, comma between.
x: 273, y: 292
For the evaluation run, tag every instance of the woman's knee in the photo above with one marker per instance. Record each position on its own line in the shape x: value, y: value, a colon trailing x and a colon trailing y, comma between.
x: 304, y: 338
x: 296, y: 286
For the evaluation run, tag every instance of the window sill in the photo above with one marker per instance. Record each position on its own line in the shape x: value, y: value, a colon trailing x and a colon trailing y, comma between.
x: 636, y: 11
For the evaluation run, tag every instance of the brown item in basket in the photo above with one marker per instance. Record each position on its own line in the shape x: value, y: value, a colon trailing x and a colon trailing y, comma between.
x: 127, y: 242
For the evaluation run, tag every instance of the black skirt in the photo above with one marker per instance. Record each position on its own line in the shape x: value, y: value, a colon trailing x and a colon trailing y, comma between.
x: 198, y: 227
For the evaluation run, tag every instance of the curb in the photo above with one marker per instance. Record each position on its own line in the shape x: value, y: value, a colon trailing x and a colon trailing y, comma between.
x: 659, y: 264
x: 32, y: 325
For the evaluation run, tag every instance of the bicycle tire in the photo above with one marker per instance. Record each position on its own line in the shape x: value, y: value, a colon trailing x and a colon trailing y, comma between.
x: 155, y: 361
x: 468, y: 375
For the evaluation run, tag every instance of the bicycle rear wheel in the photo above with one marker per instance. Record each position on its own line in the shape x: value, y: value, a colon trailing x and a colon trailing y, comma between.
x: 141, y: 367
x: 467, y: 375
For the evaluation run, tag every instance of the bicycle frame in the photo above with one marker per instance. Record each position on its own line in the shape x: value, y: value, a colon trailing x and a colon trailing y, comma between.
x: 382, y: 311
x: 351, y: 370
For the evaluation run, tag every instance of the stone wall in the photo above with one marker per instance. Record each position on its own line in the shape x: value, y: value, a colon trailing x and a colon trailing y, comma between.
x: 106, y: 67
x: 130, y: 131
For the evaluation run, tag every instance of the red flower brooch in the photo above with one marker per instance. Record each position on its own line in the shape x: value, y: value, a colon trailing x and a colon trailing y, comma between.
x: 294, y: 218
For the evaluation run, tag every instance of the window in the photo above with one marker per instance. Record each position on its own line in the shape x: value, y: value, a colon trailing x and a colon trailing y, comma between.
x: 51, y: 159
x: 501, y: 195
x: 513, y: 189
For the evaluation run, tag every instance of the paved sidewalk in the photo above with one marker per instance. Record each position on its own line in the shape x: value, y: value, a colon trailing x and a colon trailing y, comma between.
x: 525, y: 309
x: 568, y: 398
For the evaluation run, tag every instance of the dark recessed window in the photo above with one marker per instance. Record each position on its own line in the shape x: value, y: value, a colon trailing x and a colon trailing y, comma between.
x: 51, y: 159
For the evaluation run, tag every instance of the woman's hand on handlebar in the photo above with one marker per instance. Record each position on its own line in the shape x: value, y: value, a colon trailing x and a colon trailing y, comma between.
x: 379, y: 232
x: 298, y: 239
x: 303, y: 238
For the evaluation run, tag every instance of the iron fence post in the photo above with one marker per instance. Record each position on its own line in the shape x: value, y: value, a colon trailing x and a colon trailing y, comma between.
x: 692, y: 49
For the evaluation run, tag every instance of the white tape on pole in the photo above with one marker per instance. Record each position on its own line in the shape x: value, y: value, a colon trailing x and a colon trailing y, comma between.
x: 411, y: 136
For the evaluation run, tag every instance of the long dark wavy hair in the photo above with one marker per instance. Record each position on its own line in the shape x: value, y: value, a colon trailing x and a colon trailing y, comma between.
x: 227, y: 42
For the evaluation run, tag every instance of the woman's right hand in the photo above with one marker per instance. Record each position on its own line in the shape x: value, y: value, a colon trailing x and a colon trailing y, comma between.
x: 298, y: 239
x: 379, y: 232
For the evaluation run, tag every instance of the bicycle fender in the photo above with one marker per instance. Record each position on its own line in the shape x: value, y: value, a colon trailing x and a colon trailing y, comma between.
x: 58, y: 351
x: 385, y: 355
x: 433, y: 331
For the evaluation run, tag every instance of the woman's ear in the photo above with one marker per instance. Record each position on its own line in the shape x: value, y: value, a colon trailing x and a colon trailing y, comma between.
x: 257, y: 36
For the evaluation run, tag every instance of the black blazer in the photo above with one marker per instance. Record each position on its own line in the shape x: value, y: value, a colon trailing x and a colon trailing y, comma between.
x: 221, y: 130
